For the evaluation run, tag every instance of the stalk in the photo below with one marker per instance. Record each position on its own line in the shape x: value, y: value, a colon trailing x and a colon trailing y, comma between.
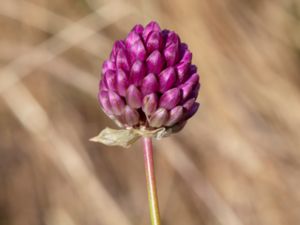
x: 151, y: 183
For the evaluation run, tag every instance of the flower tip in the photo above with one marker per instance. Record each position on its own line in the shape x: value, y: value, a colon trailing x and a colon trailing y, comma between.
x: 150, y: 27
x: 138, y: 29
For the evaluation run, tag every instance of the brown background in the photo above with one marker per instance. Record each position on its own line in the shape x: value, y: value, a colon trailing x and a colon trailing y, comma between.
x: 237, y: 162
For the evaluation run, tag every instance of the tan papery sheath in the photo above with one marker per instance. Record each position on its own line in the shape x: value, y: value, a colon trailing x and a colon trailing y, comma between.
x: 126, y: 137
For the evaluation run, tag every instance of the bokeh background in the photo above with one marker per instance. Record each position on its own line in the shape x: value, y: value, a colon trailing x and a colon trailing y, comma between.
x: 237, y: 162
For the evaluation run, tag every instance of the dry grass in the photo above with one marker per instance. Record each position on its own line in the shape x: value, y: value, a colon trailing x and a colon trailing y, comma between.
x: 236, y: 163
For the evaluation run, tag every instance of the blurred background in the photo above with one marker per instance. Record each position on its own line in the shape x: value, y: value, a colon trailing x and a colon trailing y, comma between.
x: 237, y: 162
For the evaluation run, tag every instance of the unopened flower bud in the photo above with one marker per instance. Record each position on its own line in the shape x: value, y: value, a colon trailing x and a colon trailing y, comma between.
x: 171, y: 54
x: 151, y: 27
x: 172, y: 39
x: 110, y: 80
x: 122, y: 60
x: 154, y: 41
x: 193, y: 110
x: 170, y: 98
x: 137, y: 73
x: 182, y: 70
x: 188, y: 104
x: 159, y: 117
x: 118, y: 45
x: 190, y: 86
x: 167, y: 79
x: 185, y: 54
x: 131, y: 116
x: 108, y: 65
x: 150, y: 103
x: 104, y: 101
x: 122, y: 82
x: 137, y: 51
x: 175, y: 115
x: 132, y: 37
x: 116, y: 102
x: 149, y: 84
x: 134, y: 97
x: 155, y: 62
x: 138, y: 29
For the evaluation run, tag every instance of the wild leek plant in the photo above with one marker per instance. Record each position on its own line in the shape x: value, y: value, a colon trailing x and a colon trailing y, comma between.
x: 149, y: 88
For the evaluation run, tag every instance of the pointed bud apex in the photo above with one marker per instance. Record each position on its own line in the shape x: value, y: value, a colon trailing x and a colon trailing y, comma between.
x: 104, y: 101
x: 152, y: 26
x: 185, y: 54
x: 171, y: 54
x: 150, y: 103
x: 170, y: 98
x: 187, y: 89
x: 134, y: 97
x: 175, y: 115
x: 108, y: 65
x: 122, y: 82
x: 195, y: 91
x: 149, y: 84
x: 172, y: 39
x: 138, y: 29
x: 116, y: 102
x: 137, y: 73
x: 194, y: 79
x: 192, y: 111
x: 137, y: 51
x: 110, y: 80
x: 132, y: 37
x: 131, y: 116
x: 190, y: 86
x: 182, y: 48
x: 192, y: 69
x: 154, y: 42
x: 159, y: 117
x: 154, y: 62
x: 122, y: 60
x: 167, y: 79
x: 182, y: 71
x: 118, y: 45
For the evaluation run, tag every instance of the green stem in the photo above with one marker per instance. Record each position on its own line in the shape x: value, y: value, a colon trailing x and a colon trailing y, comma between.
x: 151, y: 183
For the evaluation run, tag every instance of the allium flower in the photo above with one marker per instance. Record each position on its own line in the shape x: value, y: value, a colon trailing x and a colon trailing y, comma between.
x: 149, y: 86
x: 149, y: 80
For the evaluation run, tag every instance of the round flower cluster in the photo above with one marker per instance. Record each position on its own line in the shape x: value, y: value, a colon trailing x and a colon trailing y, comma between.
x: 149, y: 80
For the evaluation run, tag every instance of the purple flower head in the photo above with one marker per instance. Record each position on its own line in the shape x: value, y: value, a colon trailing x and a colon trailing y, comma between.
x: 149, y: 80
